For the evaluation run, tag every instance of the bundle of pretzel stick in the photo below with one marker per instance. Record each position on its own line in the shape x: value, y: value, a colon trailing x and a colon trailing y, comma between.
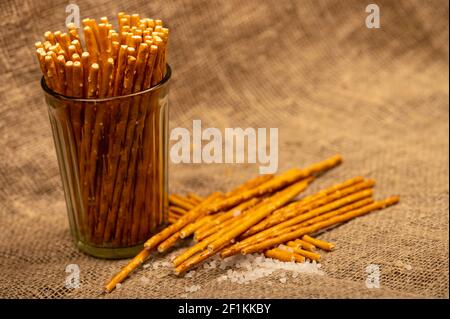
x: 116, y: 144
x: 263, y: 216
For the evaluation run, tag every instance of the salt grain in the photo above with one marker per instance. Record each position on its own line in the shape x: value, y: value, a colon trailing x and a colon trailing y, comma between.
x: 245, y: 269
x: 283, y: 280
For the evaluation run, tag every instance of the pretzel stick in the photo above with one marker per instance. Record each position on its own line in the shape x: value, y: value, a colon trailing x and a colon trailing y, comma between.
x: 320, y: 225
x: 319, y: 243
x: 189, y: 229
x: 305, y: 253
x: 320, y: 194
x: 284, y: 255
x: 169, y: 242
x: 172, y: 219
x: 180, y: 202
x: 178, y: 210
x: 278, y: 182
x: 281, y: 227
x: 223, y: 220
x: 130, y: 154
x: 318, y: 207
x: 189, y: 217
x: 224, y: 236
x: 143, y: 255
x: 117, y: 215
x: 195, y: 197
x: 140, y: 137
x: 114, y: 141
x: 166, y: 244
x: 264, y: 210
x: 203, y: 211
x: 91, y: 44
x: 122, y: 274
x: 316, y: 200
x: 305, y: 245
x: 358, y: 204
x: 187, y: 199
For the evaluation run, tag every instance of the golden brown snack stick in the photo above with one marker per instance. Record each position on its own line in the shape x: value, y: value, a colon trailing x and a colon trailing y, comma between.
x: 264, y: 210
x: 180, y: 202
x: 69, y: 78
x: 50, y: 37
x: 278, y: 182
x: 282, y: 227
x: 178, y: 210
x: 195, y: 197
x: 189, y: 229
x: 119, y: 74
x: 78, y: 82
x: 183, y: 221
x: 91, y: 43
x: 319, y: 243
x: 284, y: 255
x: 305, y: 245
x: 124, y: 272
x: 303, y: 252
x: 320, y: 225
x: 224, y: 236
x: 169, y: 242
x: 355, y: 205
x: 314, y: 201
x: 221, y: 221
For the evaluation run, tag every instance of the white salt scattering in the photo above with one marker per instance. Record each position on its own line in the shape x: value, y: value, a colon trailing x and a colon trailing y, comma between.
x: 246, y: 268
x: 408, y: 267
x: 166, y: 264
x: 190, y: 274
x: 192, y: 288
x: 145, y: 280
x: 283, y: 280
x: 118, y: 286
x: 146, y: 266
x: 236, y: 213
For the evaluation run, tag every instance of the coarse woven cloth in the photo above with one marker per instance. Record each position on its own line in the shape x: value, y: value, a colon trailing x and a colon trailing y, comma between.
x: 310, y: 68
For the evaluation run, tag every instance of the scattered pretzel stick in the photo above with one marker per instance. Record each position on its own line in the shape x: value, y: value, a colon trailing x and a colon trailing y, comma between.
x: 191, y: 228
x: 180, y: 202
x: 195, y: 197
x: 282, y: 227
x: 223, y: 220
x: 317, y: 200
x: 304, y: 245
x: 222, y: 238
x: 319, y: 243
x: 264, y: 210
x: 320, y: 225
x: 122, y: 274
x: 303, y: 252
x: 178, y: 210
x: 278, y: 182
x: 284, y: 255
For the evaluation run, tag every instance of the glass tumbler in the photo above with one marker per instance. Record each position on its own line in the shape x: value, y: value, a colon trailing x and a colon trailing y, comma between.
x: 112, y: 156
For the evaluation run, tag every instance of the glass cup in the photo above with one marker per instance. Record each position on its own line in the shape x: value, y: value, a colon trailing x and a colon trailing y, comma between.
x: 112, y: 156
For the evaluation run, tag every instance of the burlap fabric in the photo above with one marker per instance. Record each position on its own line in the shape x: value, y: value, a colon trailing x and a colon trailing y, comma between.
x: 310, y: 68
